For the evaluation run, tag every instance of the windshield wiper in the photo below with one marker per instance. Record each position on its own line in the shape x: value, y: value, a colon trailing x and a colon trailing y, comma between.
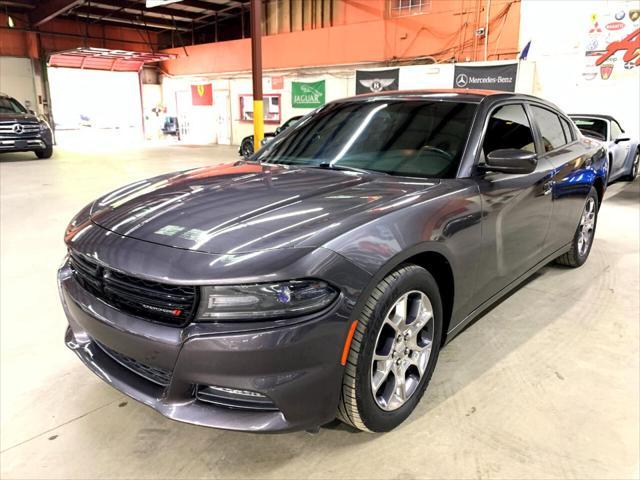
x: 334, y: 166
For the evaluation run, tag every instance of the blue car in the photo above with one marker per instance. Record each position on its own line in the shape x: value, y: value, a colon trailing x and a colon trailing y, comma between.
x: 623, y: 151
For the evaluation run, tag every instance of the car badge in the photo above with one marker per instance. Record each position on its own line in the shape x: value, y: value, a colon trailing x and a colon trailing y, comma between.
x: 17, y: 128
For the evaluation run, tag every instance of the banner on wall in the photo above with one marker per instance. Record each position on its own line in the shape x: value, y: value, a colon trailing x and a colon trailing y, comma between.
x: 612, y: 40
x: 307, y: 94
x: 490, y: 77
x: 373, y: 81
x: 202, y: 95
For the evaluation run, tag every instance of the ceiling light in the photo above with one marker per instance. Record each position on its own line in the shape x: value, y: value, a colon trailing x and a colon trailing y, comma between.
x: 10, y: 21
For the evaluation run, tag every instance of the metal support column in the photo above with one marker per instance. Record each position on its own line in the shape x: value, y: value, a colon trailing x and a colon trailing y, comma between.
x: 256, y: 72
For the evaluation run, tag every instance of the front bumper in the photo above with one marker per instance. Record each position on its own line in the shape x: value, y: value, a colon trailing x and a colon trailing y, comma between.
x: 13, y: 145
x: 297, y: 366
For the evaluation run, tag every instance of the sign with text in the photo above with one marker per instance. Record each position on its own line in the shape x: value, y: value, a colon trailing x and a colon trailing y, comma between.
x: 374, y: 81
x: 491, y: 77
x: 307, y: 95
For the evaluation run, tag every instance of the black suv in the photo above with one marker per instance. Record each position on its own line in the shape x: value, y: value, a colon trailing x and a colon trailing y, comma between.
x: 22, y: 131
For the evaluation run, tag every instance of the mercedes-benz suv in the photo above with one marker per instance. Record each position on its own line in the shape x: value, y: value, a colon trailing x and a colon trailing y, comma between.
x: 22, y: 131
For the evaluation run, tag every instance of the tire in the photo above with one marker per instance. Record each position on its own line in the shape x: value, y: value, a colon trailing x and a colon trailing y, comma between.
x: 46, y: 153
x: 633, y: 172
x: 579, y: 251
x: 246, y: 148
x: 374, y: 334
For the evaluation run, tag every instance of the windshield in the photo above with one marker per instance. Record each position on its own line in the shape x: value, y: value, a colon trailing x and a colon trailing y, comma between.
x: 9, y: 105
x: 594, y: 127
x: 396, y: 136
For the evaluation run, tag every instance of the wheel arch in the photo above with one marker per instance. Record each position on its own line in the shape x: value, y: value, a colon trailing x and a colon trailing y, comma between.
x: 436, y: 260
x: 598, y: 184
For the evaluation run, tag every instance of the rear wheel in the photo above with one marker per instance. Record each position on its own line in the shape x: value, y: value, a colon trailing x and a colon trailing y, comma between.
x: 45, y: 153
x: 394, y: 351
x: 633, y: 172
x: 583, y: 238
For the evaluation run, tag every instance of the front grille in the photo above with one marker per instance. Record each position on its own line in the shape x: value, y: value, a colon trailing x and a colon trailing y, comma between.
x: 29, y: 130
x: 159, y: 376
x: 173, y: 305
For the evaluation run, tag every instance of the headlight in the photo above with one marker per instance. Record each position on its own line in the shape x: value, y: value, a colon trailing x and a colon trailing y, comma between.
x: 44, y: 126
x: 265, y: 300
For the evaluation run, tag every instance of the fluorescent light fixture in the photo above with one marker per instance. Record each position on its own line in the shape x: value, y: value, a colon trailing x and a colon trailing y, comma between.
x: 157, y: 3
x: 10, y: 22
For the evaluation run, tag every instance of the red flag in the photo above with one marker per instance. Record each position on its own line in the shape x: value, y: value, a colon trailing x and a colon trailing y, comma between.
x: 202, y: 94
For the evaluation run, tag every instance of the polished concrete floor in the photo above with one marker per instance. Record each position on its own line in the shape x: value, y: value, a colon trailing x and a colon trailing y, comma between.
x: 546, y: 385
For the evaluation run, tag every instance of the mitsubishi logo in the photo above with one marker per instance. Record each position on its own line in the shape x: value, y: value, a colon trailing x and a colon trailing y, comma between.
x: 17, y: 128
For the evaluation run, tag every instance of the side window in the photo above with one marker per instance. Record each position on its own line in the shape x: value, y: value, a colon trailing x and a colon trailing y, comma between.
x: 550, y: 128
x: 508, y: 127
x: 568, y: 131
x: 616, y: 131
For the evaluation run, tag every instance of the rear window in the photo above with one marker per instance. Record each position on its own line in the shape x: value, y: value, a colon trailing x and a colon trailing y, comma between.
x: 550, y: 128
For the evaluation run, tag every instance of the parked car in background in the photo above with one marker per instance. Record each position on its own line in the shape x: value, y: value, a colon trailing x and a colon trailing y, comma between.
x: 247, y: 147
x: 22, y: 131
x: 623, y: 152
x: 322, y: 277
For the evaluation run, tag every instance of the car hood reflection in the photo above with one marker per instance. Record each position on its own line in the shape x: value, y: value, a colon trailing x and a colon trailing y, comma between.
x: 246, y: 207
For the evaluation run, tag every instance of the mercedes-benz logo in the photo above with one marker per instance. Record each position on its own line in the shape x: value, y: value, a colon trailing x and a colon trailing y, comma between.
x: 17, y: 128
x: 462, y: 80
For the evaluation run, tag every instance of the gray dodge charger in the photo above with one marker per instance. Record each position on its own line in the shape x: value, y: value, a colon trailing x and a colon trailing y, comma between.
x: 321, y: 277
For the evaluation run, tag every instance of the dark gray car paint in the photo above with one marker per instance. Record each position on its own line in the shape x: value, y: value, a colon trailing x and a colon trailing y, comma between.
x: 250, y: 223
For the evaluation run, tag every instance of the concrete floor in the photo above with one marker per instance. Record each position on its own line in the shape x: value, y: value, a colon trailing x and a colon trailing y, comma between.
x: 546, y: 385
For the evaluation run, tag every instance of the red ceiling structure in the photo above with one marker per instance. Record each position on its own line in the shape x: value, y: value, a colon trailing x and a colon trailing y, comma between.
x: 105, y: 59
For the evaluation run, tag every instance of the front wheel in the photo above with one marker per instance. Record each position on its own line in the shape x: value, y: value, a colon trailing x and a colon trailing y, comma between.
x: 633, y: 172
x: 394, y: 351
x: 246, y: 148
x: 583, y: 238
x: 45, y: 153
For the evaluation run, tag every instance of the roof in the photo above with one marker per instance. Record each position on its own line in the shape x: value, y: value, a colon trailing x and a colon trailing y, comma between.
x: 105, y: 59
x: 462, y: 94
x: 592, y: 115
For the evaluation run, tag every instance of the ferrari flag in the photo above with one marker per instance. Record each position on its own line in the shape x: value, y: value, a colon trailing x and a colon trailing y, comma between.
x: 202, y: 94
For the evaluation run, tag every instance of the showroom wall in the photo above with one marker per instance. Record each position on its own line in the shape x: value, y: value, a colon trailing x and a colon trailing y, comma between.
x: 204, y: 123
x: 17, y: 80
x: 565, y: 72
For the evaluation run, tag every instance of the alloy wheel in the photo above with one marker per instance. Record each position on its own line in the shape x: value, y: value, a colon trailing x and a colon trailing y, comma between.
x: 634, y: 167
x: 402, y: 350
x: 587, y: 225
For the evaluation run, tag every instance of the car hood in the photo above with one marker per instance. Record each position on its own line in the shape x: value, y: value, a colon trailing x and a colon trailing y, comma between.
x: 18, y: 117
x: 245, y: 206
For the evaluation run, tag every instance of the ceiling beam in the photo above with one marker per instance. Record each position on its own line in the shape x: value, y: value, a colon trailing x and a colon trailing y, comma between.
x: 50, y: 9
x: 166, y: 10
x: 20, y: 4
x: 124, y: 18
x: 211, y: 7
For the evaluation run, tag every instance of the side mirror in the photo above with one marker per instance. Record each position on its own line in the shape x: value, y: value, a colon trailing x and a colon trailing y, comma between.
x: 622, y: 138
x: 511, y: 160
x: 31, y: 112
x: 278, y: 130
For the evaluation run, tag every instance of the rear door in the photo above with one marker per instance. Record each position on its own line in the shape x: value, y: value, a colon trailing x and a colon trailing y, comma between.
x: 516, y: 207
x: 571, y: 182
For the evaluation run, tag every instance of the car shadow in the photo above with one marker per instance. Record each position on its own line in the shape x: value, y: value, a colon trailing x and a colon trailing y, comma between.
x: 19, y: 157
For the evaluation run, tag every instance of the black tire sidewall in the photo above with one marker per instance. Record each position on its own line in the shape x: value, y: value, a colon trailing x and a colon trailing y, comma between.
x: 372, y: 415
x: 580, y: 259
x: 247, y: 145
x: 47, y: 152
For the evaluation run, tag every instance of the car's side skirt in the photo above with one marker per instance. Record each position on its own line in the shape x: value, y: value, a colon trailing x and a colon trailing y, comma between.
x: 480, y: 310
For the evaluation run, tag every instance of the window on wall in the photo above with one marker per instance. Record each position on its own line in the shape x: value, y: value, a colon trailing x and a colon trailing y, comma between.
x: 271, y: 108
x: 400, y: 8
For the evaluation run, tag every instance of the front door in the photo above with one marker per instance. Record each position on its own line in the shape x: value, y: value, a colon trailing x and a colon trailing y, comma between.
x: 517, y: 208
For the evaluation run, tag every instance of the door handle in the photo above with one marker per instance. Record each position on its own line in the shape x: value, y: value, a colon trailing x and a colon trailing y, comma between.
x: 547, y: 187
